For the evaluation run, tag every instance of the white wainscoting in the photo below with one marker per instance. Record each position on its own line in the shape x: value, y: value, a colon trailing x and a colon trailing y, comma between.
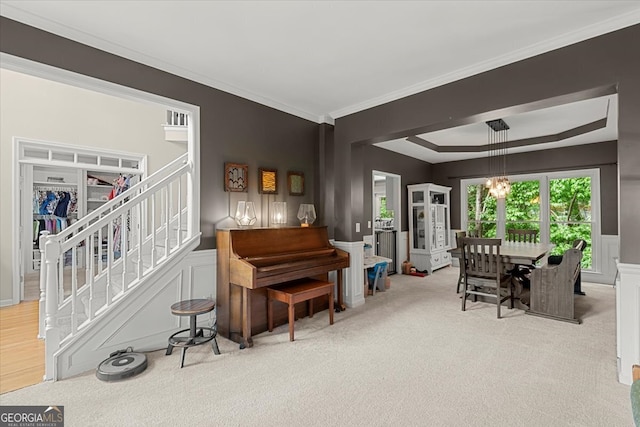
x: 609, y: 250
x: 144, y: 320
x: 628, y: 319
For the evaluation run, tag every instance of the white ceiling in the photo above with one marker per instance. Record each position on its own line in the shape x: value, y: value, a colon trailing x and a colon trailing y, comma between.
x: 321, y: 60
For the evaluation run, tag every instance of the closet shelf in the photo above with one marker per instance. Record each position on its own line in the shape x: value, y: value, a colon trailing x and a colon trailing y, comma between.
x: 54, y: 184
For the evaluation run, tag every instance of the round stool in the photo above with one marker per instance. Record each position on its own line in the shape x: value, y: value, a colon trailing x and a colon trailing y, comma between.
x: 197, y: 336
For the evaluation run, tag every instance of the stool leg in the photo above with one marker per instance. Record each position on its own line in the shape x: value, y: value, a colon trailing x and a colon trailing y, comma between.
x: 192, y: 326
x: 184, y: 351
x: 214, y: 344
x: 169, y: 350
x: 292, y: 311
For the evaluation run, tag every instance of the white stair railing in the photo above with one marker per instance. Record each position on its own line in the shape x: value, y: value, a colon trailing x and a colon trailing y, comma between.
x: 97, y: 260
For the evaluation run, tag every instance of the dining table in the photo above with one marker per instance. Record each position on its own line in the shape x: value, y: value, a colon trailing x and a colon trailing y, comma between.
x: 514, y: 254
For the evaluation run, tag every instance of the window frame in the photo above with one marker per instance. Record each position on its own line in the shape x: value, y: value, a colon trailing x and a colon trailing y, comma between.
x: 544, y: 179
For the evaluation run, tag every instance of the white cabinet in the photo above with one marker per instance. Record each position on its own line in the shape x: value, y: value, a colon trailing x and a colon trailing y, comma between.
x: 429, y: 226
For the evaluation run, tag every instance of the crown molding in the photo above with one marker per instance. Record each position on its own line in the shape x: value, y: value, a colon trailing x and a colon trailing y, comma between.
x: 65, y: 31
x: 607, y: 26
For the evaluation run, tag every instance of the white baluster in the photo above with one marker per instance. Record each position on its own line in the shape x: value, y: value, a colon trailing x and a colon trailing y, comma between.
x: 43, y: 284
x: 153, y: 230
x: 166, y: 221
x: 123, y: 249
x: 74, y: 291
x: 179, y: 202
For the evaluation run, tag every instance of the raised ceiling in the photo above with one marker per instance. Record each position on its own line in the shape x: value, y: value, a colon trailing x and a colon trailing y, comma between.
x: 322, y: 60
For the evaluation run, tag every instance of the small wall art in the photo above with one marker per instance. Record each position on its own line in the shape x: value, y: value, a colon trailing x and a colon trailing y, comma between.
x: 268, y: 181
x: 236, y: 177
x: 295, y: 183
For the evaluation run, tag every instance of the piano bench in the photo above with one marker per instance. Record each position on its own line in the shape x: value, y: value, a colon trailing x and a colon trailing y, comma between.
x: 298, y: 291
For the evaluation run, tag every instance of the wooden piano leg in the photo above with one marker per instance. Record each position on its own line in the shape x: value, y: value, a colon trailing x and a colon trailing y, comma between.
x: 246, y: 340
x: 340, y: 307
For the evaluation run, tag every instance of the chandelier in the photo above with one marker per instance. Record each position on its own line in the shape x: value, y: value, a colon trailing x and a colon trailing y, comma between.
x: 498, y: 183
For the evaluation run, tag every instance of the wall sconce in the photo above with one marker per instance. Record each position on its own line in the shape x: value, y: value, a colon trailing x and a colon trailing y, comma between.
x: 245, y: 214
x: 306, y: 214
x: 278, y: 213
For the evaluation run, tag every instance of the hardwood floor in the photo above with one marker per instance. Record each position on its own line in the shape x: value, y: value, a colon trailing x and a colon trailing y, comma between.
x: 21, y: 352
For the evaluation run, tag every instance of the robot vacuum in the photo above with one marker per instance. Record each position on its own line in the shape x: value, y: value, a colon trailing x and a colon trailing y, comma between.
x: 121, y: 364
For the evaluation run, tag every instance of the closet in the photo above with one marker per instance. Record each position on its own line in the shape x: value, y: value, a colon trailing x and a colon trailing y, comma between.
x: 61, y: 195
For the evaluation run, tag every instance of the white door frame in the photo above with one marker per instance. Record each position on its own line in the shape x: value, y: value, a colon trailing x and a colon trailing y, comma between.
x: 397, y: 209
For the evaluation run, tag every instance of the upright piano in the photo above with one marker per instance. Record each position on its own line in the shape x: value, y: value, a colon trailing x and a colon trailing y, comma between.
x: 249, y: 260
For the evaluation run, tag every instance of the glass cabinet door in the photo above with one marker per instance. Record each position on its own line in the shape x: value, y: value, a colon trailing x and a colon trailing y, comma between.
x: 419, y: 238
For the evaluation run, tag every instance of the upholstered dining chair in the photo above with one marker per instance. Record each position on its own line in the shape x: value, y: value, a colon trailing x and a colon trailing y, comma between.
x: 484, y: 273
x: 460, y: 235
x: 519, y: 235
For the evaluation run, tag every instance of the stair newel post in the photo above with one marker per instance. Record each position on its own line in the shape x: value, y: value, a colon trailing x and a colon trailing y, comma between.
x: 43, y: 284
x: 52, y: 330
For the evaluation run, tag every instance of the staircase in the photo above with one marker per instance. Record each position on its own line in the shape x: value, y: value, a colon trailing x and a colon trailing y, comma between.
x: 95, y: 265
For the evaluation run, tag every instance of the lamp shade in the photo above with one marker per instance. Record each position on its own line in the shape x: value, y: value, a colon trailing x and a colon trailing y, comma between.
x: 278, y: 214
x: 245, y: 214
x: 306, y: 214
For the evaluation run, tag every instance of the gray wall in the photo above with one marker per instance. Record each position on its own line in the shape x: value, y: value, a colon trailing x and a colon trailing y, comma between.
x: 579, y: 71
x: 334, y: 159
x: 233, y: 129
x: 602, y: 156
x: 412, y: 171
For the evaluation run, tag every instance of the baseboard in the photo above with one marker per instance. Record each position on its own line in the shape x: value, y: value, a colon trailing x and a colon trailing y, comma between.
x: 6, y: 302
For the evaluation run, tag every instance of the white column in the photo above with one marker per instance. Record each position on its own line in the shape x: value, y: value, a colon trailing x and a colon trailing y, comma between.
x: 353, y: 283
x: 628, y: 319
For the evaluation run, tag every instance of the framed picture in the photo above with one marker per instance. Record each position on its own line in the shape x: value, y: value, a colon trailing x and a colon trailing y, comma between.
x: 295, y: 183
x: 236, y: 177
x: 268, y: 183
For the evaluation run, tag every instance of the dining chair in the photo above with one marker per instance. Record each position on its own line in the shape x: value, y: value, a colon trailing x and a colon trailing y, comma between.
x: 484, y: 274
x: 474, y: 233
x: 579, y: 244
x: 460, y: 235
x: 520, y: 235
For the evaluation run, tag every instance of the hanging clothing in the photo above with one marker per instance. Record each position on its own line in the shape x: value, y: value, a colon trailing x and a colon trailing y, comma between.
x: 63, y: 203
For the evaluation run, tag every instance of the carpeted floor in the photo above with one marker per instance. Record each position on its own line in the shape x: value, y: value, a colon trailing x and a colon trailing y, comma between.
x: 408, y: 357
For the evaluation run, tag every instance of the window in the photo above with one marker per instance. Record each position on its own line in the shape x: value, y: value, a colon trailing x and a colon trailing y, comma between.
x: 562, y: 206
x: 481, y: 211
x: 522, y: 206
x: 570, y: 215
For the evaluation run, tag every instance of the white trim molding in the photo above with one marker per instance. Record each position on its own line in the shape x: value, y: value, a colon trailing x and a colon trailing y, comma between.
x: 353, y: 277
x: 628, y: 319
x: 144, y: 321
